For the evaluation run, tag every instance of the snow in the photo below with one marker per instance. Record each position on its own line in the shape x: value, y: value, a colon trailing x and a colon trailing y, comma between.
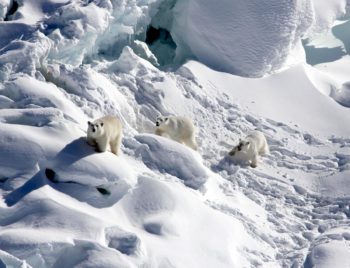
x: 160, y: 203
x: 342, y: 95
x: 331, y: 254
x: 255, y: 37
x: 4, y: 7
x: 165, y: 155
x: 274, y: 92
x: 326, y: 12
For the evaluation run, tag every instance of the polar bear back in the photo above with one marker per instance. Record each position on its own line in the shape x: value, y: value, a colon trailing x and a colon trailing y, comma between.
x: 113, y: 126
x: 258, y: 141
x: 180, y: 126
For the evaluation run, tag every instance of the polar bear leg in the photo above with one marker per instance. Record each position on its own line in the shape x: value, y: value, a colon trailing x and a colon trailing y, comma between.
x: 265, y: 149
x: 254, y: 162
x: 159, y: 132
x: 91, y: 142
x: 192, y: 143
x: 115, y: 145
x: 102, y: 145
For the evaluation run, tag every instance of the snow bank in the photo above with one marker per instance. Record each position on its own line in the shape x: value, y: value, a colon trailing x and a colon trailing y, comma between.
x: 180, y: 220
x: 337, y: 185
x: 78, y: 162
x: 21, y: 56
x: 28, y: 92
x: 342, y: 95
x: 63, y: 204
x: 284, y: 98
x: 169, y: 156
x: 21, y: 150
x: 247, y: 38
x: 331, y: 254
x: 92, y: 91
x: 87, y: 254
x: 326, y: 12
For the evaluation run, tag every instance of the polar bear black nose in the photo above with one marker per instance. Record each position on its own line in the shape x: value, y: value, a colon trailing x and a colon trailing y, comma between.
x: 157, y: 124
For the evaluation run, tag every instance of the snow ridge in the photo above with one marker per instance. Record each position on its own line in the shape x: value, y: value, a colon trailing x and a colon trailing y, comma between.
x: 161, y: 204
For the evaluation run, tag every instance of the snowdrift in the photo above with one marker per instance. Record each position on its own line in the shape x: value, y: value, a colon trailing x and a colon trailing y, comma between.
x: 160, y: 203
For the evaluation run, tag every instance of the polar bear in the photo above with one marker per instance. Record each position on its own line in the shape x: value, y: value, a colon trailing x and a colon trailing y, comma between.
x: 105, y: 131
x: 250, y: 148
x: 178, y: 128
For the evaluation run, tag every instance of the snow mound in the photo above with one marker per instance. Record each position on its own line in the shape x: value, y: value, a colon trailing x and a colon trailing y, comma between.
x: 170, y: 157
x: 90, y: 90
x: 331, y: 254
x: 161, y: 204
x: 342, y: 95
x: 21, y: 56
x: 28, y: 92
x: 90, y: 255
x: 179, y: 220
x: 125, y: 242
x: 248, y: 38
x: 78, y: 162
x: 26, y: 146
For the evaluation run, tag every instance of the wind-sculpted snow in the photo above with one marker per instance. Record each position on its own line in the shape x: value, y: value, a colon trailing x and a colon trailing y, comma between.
x: 160, y: 203
x: 342, y: 95
x: 326, y: 12
x: 78, y: 162
x: 21, y: 56
x: 248, y: 38
x: 7, y: 260
x: 164, y: 211
x: 166, y: 156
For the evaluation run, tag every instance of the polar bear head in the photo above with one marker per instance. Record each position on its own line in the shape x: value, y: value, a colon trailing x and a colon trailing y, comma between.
x: 240, y: 148
x: 95, y: 129
x: 162, y: 120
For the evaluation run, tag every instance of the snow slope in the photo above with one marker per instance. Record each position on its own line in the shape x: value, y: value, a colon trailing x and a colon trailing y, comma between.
x: 161, y: 204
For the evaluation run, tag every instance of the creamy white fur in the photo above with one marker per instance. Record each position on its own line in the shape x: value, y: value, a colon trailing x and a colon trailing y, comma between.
x: 105, y: 131
x: 178, y: 128
x: 250, y: 148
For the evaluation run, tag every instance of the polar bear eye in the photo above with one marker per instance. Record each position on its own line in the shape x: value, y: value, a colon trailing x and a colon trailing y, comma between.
x: 101, y: 124
x: 166, y: 119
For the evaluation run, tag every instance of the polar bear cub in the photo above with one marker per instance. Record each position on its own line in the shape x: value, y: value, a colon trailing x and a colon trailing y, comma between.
x: 105, y: 131
x: 250, y: 148
x: 178, y: 128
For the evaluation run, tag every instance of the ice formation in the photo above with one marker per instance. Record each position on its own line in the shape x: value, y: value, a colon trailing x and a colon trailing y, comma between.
x: 161, y: 204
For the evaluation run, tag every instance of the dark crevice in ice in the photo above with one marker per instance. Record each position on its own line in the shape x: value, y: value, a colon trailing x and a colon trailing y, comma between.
x: 13, y: 9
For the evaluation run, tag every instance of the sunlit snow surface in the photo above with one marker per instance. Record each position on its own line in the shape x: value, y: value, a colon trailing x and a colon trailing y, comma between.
x: 161, y: 204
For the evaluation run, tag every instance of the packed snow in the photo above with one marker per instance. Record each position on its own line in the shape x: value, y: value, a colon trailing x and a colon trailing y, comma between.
x: 160, y: 203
